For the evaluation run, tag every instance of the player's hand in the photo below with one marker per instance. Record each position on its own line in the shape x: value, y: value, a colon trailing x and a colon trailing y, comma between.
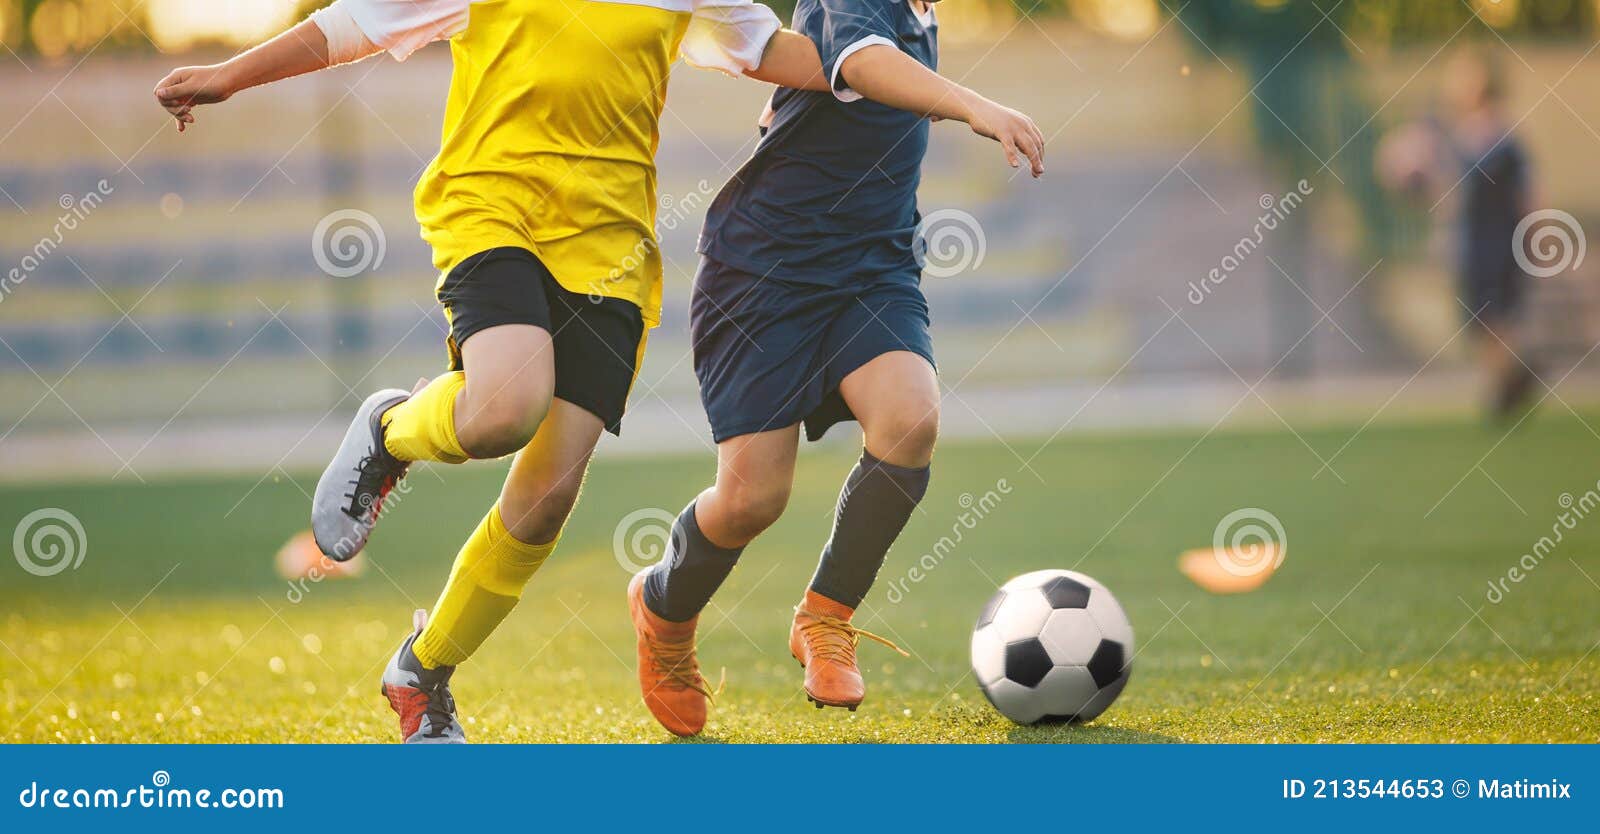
x: 186, y: 87
x: 1018, y: 136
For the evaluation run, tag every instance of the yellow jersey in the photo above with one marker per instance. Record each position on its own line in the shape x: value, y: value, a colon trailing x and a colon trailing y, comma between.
x: 552, y: 124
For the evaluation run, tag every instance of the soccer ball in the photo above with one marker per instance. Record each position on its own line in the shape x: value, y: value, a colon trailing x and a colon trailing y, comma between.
x: 1052, y: 645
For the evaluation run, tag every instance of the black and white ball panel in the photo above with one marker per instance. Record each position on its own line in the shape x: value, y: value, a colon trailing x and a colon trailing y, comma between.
x: 1108, y: 662
x: 1021, y: 615
x: 1032, y: 579
x: 988, y: 655
x: 1071, y: 636
x: 1065, y: 592
x: 1052, y: 644
x: 1015, y: 701
x: 1067, y: 685
x: 1108, y: 615
x: 990, y: 608
x: 1103, y: 698
x: 1027, y: 661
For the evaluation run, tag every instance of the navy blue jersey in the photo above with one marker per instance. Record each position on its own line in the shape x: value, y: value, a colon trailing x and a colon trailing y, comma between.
x: 1492, y: 205
x: 830, y: 194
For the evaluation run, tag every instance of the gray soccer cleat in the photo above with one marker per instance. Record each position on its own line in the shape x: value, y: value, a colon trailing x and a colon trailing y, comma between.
x: 421, y: 697
x: 350, y: 494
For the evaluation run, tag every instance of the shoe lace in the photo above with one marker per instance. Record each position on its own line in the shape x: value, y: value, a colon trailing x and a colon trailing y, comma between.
x: 441, y: 710
x: 676, y: 663
x: 375, y: 477
x: 833, y: 638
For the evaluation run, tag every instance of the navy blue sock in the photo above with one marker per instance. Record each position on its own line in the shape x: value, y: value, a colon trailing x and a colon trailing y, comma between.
x: 683, y: 581
x: 874, y: 506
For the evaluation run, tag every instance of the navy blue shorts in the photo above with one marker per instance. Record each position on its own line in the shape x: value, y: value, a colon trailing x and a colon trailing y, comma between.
x: 772, y: 353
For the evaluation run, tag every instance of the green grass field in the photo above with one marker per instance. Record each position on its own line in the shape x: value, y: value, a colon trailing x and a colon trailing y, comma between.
x: 1377, y: 628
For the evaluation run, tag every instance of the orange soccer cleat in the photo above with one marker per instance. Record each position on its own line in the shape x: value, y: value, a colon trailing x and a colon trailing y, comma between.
x: 669, y: 675
x: 824, y: 642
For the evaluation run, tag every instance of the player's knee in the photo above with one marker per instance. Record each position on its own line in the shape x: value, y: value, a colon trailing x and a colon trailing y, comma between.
x: 504, y: 422
x: 502, y: 414
x: 752, y: 507
x: 907, y: 437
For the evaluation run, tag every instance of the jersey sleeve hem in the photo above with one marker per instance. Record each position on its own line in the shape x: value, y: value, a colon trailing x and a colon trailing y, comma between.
x: 841, y: 90
x: 346, y: 41
x: 729, y: 38
x: 402, y: 28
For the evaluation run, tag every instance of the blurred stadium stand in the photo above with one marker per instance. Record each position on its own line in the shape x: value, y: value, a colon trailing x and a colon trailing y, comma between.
x: 185, y: 322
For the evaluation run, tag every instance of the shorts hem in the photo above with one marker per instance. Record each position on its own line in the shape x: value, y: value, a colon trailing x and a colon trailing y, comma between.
x: 613, y: 426
x: 461, y: 334
x: 832, y: 410
x: 815, y: 424
x: 753, y: 427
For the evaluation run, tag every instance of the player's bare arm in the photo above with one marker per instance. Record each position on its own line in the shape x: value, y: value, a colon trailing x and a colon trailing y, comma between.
x: 299, y: 50
x: 888, y: 76
x: 791, y: 60
x: 331, y: 36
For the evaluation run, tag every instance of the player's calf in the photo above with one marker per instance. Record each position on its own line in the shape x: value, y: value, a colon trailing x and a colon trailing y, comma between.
x: 876, y: 502
x: 547, y: 475
x: 665, y: 602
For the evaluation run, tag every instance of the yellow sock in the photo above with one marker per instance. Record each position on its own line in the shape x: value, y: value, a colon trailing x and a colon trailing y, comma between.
x: 424, y: 427
x: 484, y: 586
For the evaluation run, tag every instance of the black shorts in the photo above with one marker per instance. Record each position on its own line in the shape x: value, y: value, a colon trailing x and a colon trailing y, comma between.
x: 598, y: 341
x: 770, y: 353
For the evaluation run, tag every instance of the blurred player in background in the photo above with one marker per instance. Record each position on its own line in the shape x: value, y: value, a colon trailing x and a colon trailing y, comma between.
x: 808, y: 309
x: 538, y: 208
x: 1471, y: 148
x: 1496, y: 195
